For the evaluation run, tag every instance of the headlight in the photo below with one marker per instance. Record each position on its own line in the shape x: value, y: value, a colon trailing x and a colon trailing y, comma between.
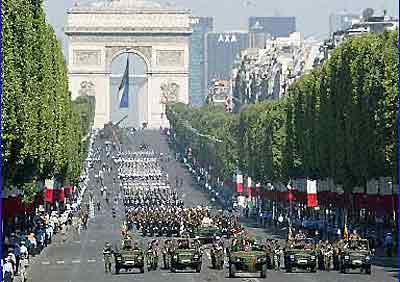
x: 237, y: 259
x: 346, y: 257
x: 260, y: 259
x: 312, y: 257
x: 196, y: 256
x: 292, y: 257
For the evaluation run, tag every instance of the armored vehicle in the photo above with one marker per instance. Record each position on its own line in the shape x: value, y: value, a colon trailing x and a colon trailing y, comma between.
x: 356, y: 254
x: 185, y: 254
x: 300, y: 253
x: 129, y: 257
x: 244, y: 257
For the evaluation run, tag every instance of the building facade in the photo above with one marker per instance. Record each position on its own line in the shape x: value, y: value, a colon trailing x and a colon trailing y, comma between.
x: 341, y: 21
x: 221, y: 52
x: 274, y: 26
x: 197, y: 70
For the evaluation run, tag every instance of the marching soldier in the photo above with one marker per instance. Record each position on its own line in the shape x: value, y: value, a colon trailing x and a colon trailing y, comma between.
x: 107, y: 253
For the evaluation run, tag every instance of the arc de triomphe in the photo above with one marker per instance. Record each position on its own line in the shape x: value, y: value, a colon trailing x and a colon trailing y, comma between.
x: 101, y: 31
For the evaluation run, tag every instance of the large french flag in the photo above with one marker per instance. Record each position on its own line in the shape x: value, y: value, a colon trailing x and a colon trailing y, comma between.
x: 249, y: 185
x: 239, y: 183
x: 123, y: 90
x: 312, y: 193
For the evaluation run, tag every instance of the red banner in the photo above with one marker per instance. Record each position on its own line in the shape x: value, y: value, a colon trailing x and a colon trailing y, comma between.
x: 249, y: 184
x: 48, y: 196
x: 61, y: 195
x: 239, y: 183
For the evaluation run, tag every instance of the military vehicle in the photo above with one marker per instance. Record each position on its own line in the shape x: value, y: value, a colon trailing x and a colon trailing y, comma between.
x: 300, y: 253
x: 356, y: 254
x: 243, y: 257
x: 185, y: 254
x: 129, y: 257
x: 207, y: 235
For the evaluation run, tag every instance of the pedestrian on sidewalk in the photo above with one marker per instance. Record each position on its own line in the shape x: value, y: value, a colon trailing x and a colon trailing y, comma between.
x: 8, y: 271
x: 24, y: 264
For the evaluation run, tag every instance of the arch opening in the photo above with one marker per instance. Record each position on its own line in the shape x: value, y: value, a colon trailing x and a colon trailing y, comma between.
x: 137, y: 108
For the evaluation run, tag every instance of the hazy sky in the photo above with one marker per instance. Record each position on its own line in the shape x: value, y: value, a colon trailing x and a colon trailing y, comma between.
x: 312, y: 16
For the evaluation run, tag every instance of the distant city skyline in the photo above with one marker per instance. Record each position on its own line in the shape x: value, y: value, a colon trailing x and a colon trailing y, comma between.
x: 312, y: 16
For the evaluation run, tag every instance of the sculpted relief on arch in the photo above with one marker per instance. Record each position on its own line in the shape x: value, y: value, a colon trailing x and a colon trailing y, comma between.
x: 169, y: 92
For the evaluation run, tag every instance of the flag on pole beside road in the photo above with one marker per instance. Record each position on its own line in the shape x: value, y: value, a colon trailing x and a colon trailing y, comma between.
x: 312, y: 193
x: 290, y: 195
x: 123, y: 90
x: 249, y: 186
x: 239, y: 183
x: 258, y: 188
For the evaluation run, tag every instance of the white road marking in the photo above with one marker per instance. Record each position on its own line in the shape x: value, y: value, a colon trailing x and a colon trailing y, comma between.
x: 92, y: 241
x: 77, y: 242
x: 45, y: 262
x: 60, y: 262
x: 76, y: 261
x: 91, y: 260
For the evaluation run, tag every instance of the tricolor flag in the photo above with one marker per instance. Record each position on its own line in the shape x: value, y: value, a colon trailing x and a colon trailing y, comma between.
x: 249, y: 184
x: 49, y: 191
x: 258, y: 188
x: 290, y: 189
x: 123, y: 90
x: 312, y: 193
x: 239, y: 183
x: 345, y: 233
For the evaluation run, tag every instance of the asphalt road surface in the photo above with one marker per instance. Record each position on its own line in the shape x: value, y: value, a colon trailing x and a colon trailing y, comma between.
x: 80, y: 258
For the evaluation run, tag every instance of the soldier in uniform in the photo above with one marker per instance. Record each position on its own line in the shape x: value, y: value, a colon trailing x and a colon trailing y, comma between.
x: 166, y: 251
x: 354, y: 236
x: 107, y: 253
x: 328, y: 254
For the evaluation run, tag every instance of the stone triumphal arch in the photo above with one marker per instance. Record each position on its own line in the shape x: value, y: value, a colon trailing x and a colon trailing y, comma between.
x: 100, y: 33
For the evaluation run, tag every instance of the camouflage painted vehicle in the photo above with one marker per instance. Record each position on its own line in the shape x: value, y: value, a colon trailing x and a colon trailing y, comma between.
x: 356, y: 254
x: 207, y: 235
x: 250, y: 259
x: 186, y: 254
x: 129, y: 257
x: 301, y: 254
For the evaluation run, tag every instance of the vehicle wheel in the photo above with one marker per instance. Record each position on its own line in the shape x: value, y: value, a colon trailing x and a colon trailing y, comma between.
x: 313, y: 269
x: 368, y: 270
x: 232, y: 271
x: 263, y: 273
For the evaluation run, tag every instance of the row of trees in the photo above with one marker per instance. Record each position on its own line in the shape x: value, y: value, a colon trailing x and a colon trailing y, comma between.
x: 41, y: 131
x: 337, y: 122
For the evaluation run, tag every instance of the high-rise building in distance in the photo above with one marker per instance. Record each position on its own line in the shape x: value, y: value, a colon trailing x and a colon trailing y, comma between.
x: 197, y: 75
x: 342, y: 21
x: 274, y: 26
x: 223, y: 48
